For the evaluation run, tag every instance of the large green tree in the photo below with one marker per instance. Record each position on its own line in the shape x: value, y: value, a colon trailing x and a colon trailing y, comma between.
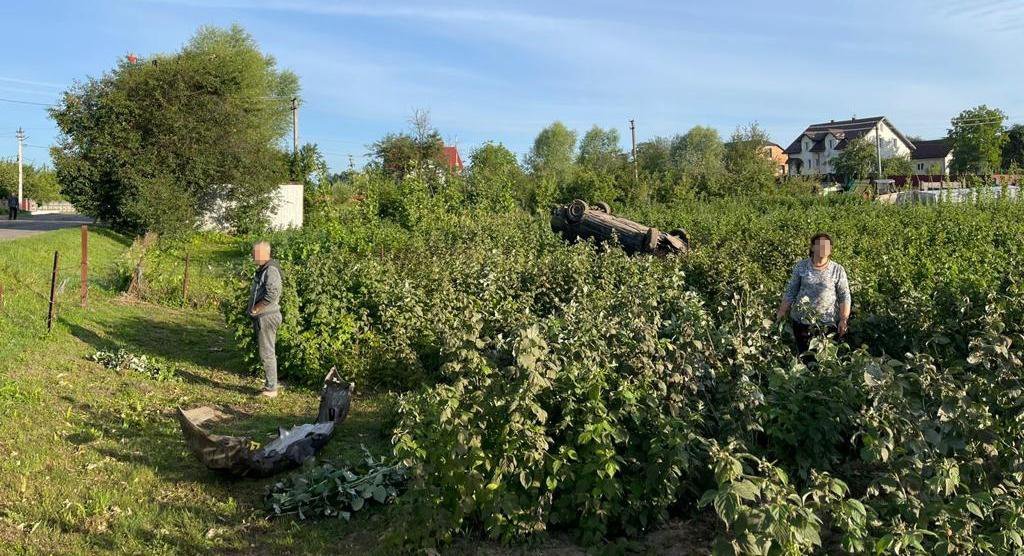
x: 1013, y: 149
x: 552, y: 152
x: 857, y: 161
x: 494, y: 178
x: 698, y: 158
x: 158, y: 144
x: 600, y: 150
x: 977, y: 136
x: 653, y: 158
x: 748, y: 161
x: 418, y: 152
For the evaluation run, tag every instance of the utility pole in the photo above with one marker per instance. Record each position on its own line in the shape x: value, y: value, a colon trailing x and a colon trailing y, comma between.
x: 295, y: 126
x: 632, y: 132
x: 878, y: 150
x: 351, y: 164
x: 21, y: 176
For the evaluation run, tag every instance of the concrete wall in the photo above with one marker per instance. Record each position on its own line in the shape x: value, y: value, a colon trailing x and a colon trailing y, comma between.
x: 288, y: 213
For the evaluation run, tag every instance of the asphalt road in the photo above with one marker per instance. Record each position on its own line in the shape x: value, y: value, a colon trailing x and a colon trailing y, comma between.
x: 31, y: 225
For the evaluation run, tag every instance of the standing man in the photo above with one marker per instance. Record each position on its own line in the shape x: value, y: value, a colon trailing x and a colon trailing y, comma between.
x: 12, y: 207
x: 265, y: 310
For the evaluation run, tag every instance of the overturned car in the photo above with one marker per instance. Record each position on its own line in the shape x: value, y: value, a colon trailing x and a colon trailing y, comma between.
x: 239, y: 456
x: 577, y: 221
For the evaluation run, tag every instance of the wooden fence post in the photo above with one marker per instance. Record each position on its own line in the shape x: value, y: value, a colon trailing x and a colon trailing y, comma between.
x: 53, y: 291
x: 184, y: 284
x: 85, y: 264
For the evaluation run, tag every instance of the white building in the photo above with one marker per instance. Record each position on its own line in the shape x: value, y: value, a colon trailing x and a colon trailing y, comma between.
x: 932, y: 158
x: 286, y: 210
x: 813, y: 151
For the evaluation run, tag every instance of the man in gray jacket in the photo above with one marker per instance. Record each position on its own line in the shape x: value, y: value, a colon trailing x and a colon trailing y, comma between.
x: 265, y: 310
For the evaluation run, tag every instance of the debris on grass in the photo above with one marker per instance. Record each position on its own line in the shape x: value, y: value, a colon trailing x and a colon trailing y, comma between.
x: 124, y: 360
x: 239, y: 456
x: 329, y: 491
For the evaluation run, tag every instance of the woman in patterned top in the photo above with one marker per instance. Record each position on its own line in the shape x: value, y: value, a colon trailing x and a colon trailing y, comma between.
x: 817, y: 296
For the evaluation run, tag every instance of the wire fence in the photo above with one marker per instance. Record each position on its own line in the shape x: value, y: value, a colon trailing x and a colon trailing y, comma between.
x: 177, y: 276
x: 25, y: 298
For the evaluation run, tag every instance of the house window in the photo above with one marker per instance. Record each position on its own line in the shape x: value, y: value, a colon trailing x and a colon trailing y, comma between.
x: 920, y: 165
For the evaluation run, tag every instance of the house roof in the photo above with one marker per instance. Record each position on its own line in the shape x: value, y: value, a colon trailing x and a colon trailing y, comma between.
x: 935, y: 148
x: 451, y: 155
x: 844, y: 130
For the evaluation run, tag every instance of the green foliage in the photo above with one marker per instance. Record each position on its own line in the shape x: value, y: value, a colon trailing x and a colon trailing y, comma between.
x: 599, y: 150
x: 697, y: 158
x: 897, y: 166
x: 978, y: 137
x: 750, y: 166
x: 401, y: 155
x: 125, y: 361
x: 162, y: 264
x: 547, y: 386
x: 553, y: 153
x: 495, y: 179
x: 309, y: 168
x: 858, y: 160
x: 155, y: 145
x: 329, y: 491
x: 654, y: 159
x: 38, y: 183
x: 1013, y: 149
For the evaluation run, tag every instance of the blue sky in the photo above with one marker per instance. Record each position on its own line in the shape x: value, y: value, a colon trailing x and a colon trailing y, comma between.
x: 501, y: 71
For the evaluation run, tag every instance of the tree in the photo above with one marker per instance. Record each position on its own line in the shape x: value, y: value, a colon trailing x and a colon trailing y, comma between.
x: 494, y: 177
x: 599, y: 150
x: 977, y: 136
x: 748, y: 161
x: 309, y: 168
x: 897, y: 166
x: 857, y: 161
x: 653, y: 158
x: 1013, y: 149
x: 39, y: 183
x: 401, y: 155
x: 157, y: 145
x: 697, y: 157
x: 552, y: 154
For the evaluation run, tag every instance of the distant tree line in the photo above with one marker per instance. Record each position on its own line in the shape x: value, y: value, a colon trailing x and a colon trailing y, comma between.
x: 159, y: 143
x: 39, y: 183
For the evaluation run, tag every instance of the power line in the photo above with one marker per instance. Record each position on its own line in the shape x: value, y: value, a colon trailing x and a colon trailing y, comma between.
x: 15, y: 101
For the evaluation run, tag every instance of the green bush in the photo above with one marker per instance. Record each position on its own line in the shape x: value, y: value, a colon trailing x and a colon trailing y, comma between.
x: 552, y: 386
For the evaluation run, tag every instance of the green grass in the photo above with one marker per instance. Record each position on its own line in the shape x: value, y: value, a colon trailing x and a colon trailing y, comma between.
x: 94, y: 460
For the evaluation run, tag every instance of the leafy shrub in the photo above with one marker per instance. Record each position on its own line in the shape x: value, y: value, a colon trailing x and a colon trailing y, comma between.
x: 548, y: 386
x: 329, y: 491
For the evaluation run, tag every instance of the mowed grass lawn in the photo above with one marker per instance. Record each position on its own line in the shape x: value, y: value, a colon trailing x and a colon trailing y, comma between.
x: 92, y: 460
